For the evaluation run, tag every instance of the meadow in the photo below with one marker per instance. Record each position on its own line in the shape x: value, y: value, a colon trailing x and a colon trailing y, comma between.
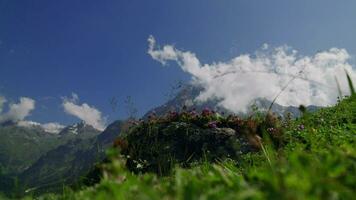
x: 315, y: 159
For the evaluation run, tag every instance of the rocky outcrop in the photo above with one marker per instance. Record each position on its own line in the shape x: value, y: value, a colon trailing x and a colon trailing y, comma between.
x: 158, y: 147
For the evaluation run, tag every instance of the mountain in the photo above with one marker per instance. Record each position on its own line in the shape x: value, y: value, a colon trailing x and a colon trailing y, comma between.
x: 185, y: 98
x: 68, y: 156
x: 67, y: 163
x: 62, y: 165
x: 106, y: 138
x: 22, y: 146
x: 80, y: 130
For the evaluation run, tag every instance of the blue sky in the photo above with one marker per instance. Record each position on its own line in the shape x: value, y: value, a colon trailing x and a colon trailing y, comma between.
x: 98, y: 49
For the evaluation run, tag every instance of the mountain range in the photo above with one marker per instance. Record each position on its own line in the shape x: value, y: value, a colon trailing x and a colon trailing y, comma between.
x: 33, y: 160
x: 67, y: 163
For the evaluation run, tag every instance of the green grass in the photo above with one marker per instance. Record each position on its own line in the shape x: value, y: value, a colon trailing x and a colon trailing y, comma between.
x: 317, y: 161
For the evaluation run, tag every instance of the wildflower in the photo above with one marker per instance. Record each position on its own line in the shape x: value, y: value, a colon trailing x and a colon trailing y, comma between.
x: 173, y: 114
x: 121, y: 143
x: 237, y: 121
x: 271, y: 130
x: 193, y: 113
x: 301, y: 127
x: 206, y: 112
x: 152, y: 117
x: 134, y: 122
x: 212, y: 124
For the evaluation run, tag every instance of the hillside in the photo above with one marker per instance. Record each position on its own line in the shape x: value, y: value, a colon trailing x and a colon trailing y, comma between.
x: 70, y: 162
x: 42, y: 161
x: 20, y: 147
x: 314, y: 158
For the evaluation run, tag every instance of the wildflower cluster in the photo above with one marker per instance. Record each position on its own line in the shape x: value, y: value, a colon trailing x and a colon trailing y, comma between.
x: 207, y: 118
x: 189, y: 135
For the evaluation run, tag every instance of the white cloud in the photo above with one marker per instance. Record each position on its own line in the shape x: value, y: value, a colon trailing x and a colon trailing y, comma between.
x: 17, y: 111
x: 52, y: 127
x: 28, y: 123
x: 236, y: 83
x: 88, y: 114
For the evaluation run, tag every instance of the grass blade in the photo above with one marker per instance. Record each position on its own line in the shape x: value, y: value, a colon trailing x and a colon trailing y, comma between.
x: 338, y: 87
x: 351, y: 85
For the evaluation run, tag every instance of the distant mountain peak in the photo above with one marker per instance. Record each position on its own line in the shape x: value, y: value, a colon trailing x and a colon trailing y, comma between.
x: 187, y: 95
x: 79, y: 128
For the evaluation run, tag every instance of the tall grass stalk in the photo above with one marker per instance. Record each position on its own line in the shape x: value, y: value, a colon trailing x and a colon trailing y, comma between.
x: 338, y: 87
x: 265, y: 153
x: 283, y: 89
x: 351, y: 85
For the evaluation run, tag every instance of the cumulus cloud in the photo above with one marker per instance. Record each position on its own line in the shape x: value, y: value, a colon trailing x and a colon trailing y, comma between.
x: 88, y: 114
x: 236, y: 83
x: 17, y: 111
x: 51, y: 127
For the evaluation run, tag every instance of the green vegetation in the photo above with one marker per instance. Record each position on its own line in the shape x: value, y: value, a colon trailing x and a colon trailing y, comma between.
x: 32, y: 158
x: 314, y: 158
x: 16, y: 147
x: 183, y: 139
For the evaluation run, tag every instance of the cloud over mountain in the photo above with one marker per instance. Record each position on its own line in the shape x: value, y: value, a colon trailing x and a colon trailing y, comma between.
x: 88, y: 114
x: 52, y: 127
x: 18, y: 112
x: 308, y: 80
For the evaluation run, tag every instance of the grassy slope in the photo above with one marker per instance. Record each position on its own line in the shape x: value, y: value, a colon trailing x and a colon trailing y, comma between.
x: 20, y: 147
x: 318, y: 162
